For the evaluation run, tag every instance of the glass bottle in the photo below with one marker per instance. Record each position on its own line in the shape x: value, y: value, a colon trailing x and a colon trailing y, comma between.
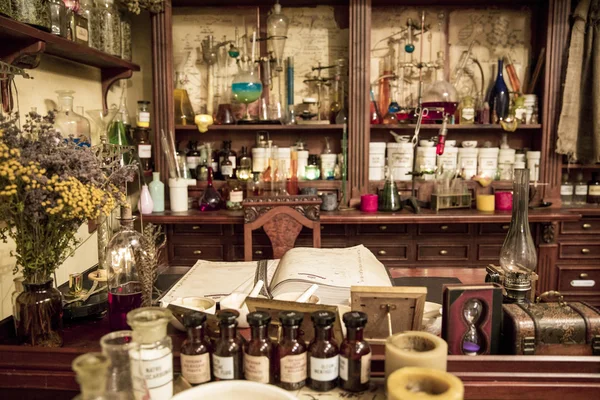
x: 593, y: 196
x: 117, y: 346
x: 195, y: 350
x: 58, y: 18
x: 323, y: 351
x: 157, y: 192
x: 108, y: 21
x: 277, y: 28
x: 467, y: 111
x: 258, y: 352
x: 32, y: 12
x: 124, y: 285
x: 151, y: 360
x: 390, y: 117
x: 566, y: 190
x: 125, y: 113
x: 143, y: 114
x: 192, y: 159
x: 94, y: 34
x: 126, y: 42
x: 291, y: 352
x: 244, y: 170
x: 389, y: 198
x: 581, y: 190
x: 228, y: 355
x: 67, y: 121
x: 91, y: 370
x: 355, y: 354
x: 117, y: 132
x: 312, y: 172
x: 184, y: 113
x: 226, y: 166
x: 211, y: 199
x: 236, y: 193
x: 499, y: 97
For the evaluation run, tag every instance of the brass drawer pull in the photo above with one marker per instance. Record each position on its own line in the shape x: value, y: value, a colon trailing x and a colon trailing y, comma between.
x: 322, y: 227
x: 258, y: 252
x: 443, y: 252
x: 585, y: 251
x: 197, y: 251
x: 583, y: 275
x: 586, y: 226
x: 505, y: 227
x: 444, y: 227
x: 196, y: 227
x: 382, y: 227
x: 382, y: 252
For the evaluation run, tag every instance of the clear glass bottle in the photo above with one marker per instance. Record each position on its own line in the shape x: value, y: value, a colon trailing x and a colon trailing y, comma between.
x: 312, y: 172
x: 581, y: 190
x: 19, y: 288
x: 355, y: 354
x: 91, y: 371
x: 126, y: 43
x: 116, y: 346
x: 566, y: 190
x: 593, y: 196
x: 94, y: 34
x: 229, y: 349
x: 291, y: 352
x: 124, y: 285
x: 151, y: 360
x: 236, y: 193
x: 108, y: 21
x: 323, y: 351
x: 258, y: 351
x: 184, y: 113
x: 195, y: 350
x: 143, y: 114
x: 67, y: 121
x: 32, y: 12
x: 58, y: 18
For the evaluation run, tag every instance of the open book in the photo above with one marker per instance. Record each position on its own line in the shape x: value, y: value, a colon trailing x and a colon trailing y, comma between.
x: 334, y: 270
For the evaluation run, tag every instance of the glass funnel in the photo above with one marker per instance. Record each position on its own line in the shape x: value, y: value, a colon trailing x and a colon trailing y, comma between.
x: 91, y: 370
x: 277, y: 28
x: 184, y: 113
x: 246, y: 88
x: 102, y: 119
x: 67, y: 121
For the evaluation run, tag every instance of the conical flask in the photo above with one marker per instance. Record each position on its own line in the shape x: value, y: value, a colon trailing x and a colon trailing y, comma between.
x: 184, y: 113
x: 389, y: 198
x: 277, y: 28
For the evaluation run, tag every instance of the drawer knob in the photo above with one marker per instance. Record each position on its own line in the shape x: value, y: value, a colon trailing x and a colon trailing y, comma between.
x: 196, y: 227
x: 322, y: 227
x: 382, y: 227
x: 444, y: 227
x: 587, y: 226
x: 505, y: 227
x: 382, y: 252
x: 585, y: 251
x: 197, y: 251
x: 258, y: 252
x: 583, y: 275
x: 443, y: 252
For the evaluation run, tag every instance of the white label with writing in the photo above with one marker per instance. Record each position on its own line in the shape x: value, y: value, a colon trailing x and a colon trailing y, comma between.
x: 344, y: 368
x: 144, y: 116
x: 594, y: 190
x: 157, y: 374
x: 256, y: 368
x: 293, y: 368
x: 581, y: 190
x: 223, y: 367
x: 236, y: 196
x: 196, y: 368
x: 365, y: 368
x: 226, y: 170
x: 566, y: 190
x: 583, y: 283
x: 468, y: 162
x: 81, y: 33
x: 468, y: 114
x: 145, y: 150
x: 324, y: 369
x: 233, y: 161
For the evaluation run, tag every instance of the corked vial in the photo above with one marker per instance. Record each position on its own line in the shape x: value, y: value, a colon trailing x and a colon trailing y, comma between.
x: 355, y: 354
x: 323, y: 365
x: 291, y: 354
x: 258, y: 352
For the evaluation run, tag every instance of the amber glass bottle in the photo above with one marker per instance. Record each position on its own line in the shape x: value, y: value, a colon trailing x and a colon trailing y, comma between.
x: 258, y: 352
x: 290, y: 354
x: 228, y: 355
x: 195, y: 350
x: 323, y: 364
x: 355, y: 354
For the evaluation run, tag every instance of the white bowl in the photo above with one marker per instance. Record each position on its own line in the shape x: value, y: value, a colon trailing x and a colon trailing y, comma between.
x: 204, y: 304
x: 469, y: 143
x: 451, y: 143
x: 234, y: 390
x: 426, y: 143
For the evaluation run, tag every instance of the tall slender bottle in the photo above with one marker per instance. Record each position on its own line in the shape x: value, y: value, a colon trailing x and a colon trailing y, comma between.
x: 291, y: 355
x: 323, y: 353
x: 195, y: 350
x: 258, y: 352
x: 229, y: 353
x: 499, y: 96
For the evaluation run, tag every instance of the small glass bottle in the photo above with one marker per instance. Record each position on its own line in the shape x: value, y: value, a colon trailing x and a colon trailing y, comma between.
x: 228, y: 355
x: 244, y: 169
x: 312, y: 172
x: 236, y: 193
x: 58, y: 17
x: 195, y: 350
x: 467, y: 111
x: 211, y: 199
x: 566, y: 191
x: 258, y: 352
x: 143, y: 114
x: 291, y: 354
x: 67, y: 121
x: 323, y: 353
x: 594, y: 189
x: 18, y: 281
x: 91, y: 370
x: 355, y: 354
x: 581, y: 190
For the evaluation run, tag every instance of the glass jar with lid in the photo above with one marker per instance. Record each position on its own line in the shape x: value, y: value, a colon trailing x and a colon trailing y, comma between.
x: 107, y: 23
x: 58, y: 18
x: 86, y: 10
x: 67, y: 121
x: 143, y: 114
x: 32, y: 12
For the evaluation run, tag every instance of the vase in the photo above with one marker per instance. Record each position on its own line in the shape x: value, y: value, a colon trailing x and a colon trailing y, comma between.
x: 157, y: 192
x: 38, y: 315
x: 145, y: 203
x: 499, y: 97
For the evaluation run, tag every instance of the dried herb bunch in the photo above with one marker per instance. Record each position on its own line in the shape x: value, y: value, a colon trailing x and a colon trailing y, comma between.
x: 135, y: 6
x: 147, y: 260
x: 49, y: 186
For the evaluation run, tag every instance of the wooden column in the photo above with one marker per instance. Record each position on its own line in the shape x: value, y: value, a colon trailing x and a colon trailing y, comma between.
x: 358, y: 96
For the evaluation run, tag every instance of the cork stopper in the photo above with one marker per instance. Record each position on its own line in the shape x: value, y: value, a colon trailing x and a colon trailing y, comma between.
x: 126, y: 212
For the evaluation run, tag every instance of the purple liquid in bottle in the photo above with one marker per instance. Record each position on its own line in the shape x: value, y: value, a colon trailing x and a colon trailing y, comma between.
x: 121, y: 300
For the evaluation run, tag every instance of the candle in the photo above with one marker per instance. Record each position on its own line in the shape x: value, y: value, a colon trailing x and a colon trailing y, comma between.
x: 504, y: 201
x: 413, y: 383
x: 415, y: 349
x: 485, y: 202
x: 368, y: 202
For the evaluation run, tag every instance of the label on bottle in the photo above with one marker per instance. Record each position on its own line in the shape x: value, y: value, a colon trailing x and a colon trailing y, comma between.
x: 488, y: 163
x: 293, y: 368
x: 401, y: 160
x: 365, y: 368
x: 81, y: 33
x: 145, y: 150
x: 256, y: 368
x: 155, y: 374
x: 566, y: 190
x: 233, y: 161
x: 144, y: 116
x: 226, y: 170
x: 468, y: 114
x: 468, y: 162
x: 236, y: 196
x: 196, y: 368
x: 594, y: 190
x: 324, y: 369
x: 223, y: 367
x: 192, y: 162
x: 581, y: 190
x: 344, y: 368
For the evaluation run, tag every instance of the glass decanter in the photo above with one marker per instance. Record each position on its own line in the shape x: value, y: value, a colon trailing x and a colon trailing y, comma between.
x: 91, y: 370
x: 67, y: 121
x: 499, y: 96
x: 246, y: 88
x: 124, y: 285
x: 211, y: 199
x: 116, y: 346
x: 184, y: 113
x: 472, y: 344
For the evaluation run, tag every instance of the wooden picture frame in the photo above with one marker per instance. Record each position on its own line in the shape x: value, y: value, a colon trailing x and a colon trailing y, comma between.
x: 389, y: 308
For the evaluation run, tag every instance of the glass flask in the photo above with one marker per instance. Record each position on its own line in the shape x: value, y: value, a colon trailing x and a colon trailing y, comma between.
x: 151, y: 360
x: 195, y: 350
x: 184, y: 113
x: 228, y: 355
x: 117, y: 346
x: 499, y: 97
x: 277, y: 28
x: 246, y: 88
x: 58, y: 17
x: 518, y: 251
x: 67, y: 121
x: 290, y: 354
x: 323, y: 353
x: 117, y: 132
x: 124, y: 286
x: 389, y: 199
x: 224, y: 115
x: 441, y: 94
x: 91, y: 370
x: 472, y: 341
x: 102, y: 119
x: 355, y: 354
x: 211, y: 199
x: 258, y: 351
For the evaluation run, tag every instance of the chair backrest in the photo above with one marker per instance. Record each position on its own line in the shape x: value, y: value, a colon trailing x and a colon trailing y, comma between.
x: 282, y: 218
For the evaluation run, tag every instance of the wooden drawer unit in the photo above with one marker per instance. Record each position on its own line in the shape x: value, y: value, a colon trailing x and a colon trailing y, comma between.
x: 489, y: 252
x: 578, y: 279
x: 390, y: 253
x: 579, y: 251
x: 201, y: 252
x: 258, y: 253
x: 494, y: 229
x: 443, y: 229
x: 442, y: 252
x: 198, y: 229
x: 587, y: 226
x: 383, y: 229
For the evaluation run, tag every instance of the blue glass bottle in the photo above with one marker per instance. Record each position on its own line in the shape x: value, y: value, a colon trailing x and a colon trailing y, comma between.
x: 157, y: 192
x: 499, y: 96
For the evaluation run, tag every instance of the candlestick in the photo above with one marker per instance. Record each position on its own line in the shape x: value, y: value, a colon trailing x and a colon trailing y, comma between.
x: 413, y: 383
x: 415, y: 349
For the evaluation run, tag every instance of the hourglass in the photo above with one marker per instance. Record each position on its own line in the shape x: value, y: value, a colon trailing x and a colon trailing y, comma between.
x: 472, y: 343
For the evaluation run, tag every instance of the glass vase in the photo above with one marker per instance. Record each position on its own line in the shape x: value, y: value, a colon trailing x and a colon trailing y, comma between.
x: 499, y: 97
x: 38, y: 315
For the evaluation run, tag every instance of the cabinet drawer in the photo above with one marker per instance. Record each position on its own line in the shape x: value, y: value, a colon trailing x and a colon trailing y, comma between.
x: 587, y: 226
x: 582, y: 251
x: 327, y: 230
x: 211, y: 253
x: 382, y: 229
x: 494, y: 229
x: 489, y: 252
x: 578, y: 278
x: 198, y: 229
x: 258, y: 253
x: 390, y: 253
x: 442, y: 252
x: 443, y: 229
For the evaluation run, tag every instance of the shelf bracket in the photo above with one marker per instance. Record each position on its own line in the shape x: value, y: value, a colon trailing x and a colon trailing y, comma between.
x: 109, y: 77
x: 20, y: 56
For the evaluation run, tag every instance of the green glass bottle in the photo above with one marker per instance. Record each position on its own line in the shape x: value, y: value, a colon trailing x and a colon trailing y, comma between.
x: 389, y: 199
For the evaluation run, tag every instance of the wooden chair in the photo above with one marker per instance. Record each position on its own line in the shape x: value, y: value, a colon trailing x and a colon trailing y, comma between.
x: 282, y: 218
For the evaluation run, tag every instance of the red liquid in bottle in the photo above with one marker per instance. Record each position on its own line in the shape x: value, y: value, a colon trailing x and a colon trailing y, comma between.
x: 121, y: 300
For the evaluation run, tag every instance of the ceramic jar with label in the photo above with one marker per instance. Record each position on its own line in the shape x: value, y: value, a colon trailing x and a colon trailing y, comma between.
x: 467, y: 161
x: 488, y: 161
x: 533, y: 164
x: 506, y: 161
x: 400, y: 158
x: 426, y: 162
x: 449, y: 160
x: 376, y: 161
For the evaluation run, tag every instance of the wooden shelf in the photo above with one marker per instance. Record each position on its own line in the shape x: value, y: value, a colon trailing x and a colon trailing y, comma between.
x: 486, y: 127
x: 319, y: 184
x: 268, y: 127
